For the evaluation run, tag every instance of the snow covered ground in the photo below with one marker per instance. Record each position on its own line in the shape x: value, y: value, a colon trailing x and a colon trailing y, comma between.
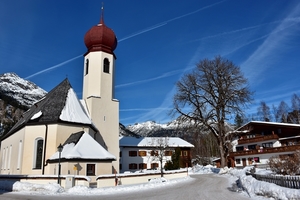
x: 247, y: 186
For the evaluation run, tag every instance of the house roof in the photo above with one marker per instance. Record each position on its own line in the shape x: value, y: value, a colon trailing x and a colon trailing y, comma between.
x: 59, y: 105
x: 81, y: 145
x: 269, y: 124
x: 153, y: 142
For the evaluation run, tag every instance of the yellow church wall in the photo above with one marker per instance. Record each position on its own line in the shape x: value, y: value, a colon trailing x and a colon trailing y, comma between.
x: 17, y: 155
x: 58, y: 134
x: 32, y: 134
x: 80, y: 169
x: 10, y: 159
x: 92, y: 77
x: 107, y: 122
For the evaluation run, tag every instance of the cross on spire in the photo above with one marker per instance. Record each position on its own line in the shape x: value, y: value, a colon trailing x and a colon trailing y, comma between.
x: 102, y: 11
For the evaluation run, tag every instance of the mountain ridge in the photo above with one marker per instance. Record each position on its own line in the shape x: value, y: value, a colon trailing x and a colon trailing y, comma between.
x: 18, y: 94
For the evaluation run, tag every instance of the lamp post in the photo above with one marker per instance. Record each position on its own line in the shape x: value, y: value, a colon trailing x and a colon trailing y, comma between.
x: 59, y: 149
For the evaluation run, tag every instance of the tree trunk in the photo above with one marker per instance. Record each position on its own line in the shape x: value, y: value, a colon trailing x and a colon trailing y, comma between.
x: 161, y: 169
x: 222, y: 156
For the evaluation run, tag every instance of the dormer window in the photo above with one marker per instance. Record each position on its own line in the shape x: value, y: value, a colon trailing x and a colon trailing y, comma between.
x: 106, y: 65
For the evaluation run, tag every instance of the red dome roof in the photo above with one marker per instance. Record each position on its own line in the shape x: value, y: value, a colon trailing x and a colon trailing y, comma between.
x: 100, y: 38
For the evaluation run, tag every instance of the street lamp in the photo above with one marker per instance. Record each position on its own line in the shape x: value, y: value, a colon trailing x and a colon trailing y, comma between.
x: 59, y: 149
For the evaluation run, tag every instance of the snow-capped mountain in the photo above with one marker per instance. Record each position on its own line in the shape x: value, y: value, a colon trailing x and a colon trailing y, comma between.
x: 19, y: 91
x: 16, y: 96
x: 151, y: 128
x: 123, y: 131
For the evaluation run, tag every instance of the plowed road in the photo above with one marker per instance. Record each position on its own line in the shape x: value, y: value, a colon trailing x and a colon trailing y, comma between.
x: 203, y: 187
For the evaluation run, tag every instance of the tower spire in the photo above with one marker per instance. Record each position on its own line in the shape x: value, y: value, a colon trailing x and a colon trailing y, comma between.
x: 102, y: 11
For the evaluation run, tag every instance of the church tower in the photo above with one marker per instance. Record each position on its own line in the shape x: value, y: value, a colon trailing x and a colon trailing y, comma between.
x: 98, y: 86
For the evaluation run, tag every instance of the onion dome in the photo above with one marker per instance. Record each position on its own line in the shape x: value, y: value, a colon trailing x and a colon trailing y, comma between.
x: 100, y: 38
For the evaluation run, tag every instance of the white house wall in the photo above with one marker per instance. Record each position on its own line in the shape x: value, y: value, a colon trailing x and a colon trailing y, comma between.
x: 263, y: 159
x: 125, y: 160
x: 276, y: 143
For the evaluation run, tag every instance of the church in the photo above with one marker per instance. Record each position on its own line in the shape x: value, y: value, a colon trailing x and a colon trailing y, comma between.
x: 86, y: 131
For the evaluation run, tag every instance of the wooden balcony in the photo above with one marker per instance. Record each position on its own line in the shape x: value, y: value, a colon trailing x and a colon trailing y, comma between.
x: 258, y: 139
x: 266, y: 150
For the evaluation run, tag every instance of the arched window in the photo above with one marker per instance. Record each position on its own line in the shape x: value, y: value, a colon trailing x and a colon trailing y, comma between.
x: 86, y: 66
x: 39, y: 145
x: 106, y: 65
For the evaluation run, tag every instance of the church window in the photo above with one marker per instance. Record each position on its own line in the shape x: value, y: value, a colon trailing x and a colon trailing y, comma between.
x: 86, y: 66
x: 19, y: 154
x: 6, y: 154
x: 39, y: 144
x: 3, y: 159
x: 9, y: 157
x: 90, y: 170
x: 106, y: 65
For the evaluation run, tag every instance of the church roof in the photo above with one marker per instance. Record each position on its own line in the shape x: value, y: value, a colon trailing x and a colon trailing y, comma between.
x: 59, y: 105
x: 82, y: 146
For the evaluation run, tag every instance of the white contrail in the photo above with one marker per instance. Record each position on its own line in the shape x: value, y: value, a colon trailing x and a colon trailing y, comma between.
x: 151, y: 79
x: 294, y: 19
x: 142, y: 31
x: 53, y: 67
x: 167, y: 21
x: 127, y: 37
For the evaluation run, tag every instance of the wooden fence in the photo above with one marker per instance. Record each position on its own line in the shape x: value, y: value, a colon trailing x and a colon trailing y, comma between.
x: 284, y: 181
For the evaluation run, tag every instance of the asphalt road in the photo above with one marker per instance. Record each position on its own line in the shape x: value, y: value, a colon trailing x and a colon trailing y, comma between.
x: 204, y: 187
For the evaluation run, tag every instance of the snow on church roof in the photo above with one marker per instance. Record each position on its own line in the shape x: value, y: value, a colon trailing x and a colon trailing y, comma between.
x: 82, y: 146
x: 153, y: 141
x: 60, y: 104
x: 73, y: 111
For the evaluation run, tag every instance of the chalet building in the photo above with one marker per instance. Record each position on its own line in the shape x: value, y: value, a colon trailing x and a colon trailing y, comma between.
x: 258, y: 141
x: 87, y: 129
x: 142, y: 153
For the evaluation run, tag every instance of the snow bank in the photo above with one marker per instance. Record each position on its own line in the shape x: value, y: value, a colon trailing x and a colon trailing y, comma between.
x: 261, y: 188
x: 51, y: 188
x: 17, y: 186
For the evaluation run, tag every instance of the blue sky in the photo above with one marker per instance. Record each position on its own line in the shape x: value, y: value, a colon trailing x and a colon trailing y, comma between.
x: 159, y: 41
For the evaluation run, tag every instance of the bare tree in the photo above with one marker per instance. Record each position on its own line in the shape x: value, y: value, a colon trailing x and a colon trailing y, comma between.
x: 275, y: 113
x: 215, y: 90
x: 238, y: 120
x: 282, y: 112
x: 161, y: 149
x: 263, y: 111
x: 295, y: 114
